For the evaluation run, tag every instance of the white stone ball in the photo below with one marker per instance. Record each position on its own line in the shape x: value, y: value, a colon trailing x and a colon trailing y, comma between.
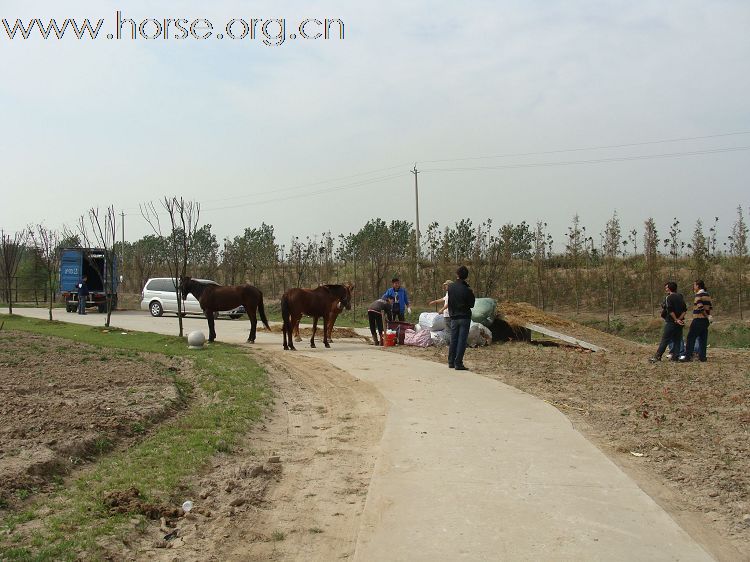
x: 196, y: 339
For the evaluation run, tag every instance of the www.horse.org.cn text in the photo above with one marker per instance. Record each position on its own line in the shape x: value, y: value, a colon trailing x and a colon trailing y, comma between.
x: 270, y: 32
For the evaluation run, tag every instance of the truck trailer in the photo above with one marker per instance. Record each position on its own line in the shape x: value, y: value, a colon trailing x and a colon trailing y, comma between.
x: 91, y: 262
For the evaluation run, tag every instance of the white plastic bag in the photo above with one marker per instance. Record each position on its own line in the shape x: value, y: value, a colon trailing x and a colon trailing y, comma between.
x: 479, y: 335
x: 432, y: 321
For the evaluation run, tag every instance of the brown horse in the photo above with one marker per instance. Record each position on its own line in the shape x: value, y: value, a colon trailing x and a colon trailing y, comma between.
x: 214, y: 298
x: 316, y: 303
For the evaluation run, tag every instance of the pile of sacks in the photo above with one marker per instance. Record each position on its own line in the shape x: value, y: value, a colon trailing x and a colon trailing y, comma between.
x: 482, y: 317
x: 431, y: 328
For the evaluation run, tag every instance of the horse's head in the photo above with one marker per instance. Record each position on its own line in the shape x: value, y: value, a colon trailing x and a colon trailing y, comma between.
x: 185, y: 283
x: 346, y: 301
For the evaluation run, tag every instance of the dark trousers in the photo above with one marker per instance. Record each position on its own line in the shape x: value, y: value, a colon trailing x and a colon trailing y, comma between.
x: 397, y: 315
x: 376, y: 325
x: 82, y: 304
x: 698, y: 330
x: 672, y: 333
x: 459, y: 337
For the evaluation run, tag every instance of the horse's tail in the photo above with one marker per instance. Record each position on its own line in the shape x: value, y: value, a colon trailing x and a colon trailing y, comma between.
x: 262, y: 312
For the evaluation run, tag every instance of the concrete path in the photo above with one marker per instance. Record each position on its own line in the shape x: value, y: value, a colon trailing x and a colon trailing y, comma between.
x: 472, y: 469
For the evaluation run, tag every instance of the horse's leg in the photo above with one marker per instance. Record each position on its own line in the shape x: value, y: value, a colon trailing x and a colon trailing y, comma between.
x: 293, y: 327
x: 314, y: 329
x: 211, y: 330
x: 253, y: 325
x: 297, y: 337
x: 325, y: 331
x: 284, y: 322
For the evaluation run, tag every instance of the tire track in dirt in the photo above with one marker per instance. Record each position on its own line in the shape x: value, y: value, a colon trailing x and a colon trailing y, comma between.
x: 325, y: 427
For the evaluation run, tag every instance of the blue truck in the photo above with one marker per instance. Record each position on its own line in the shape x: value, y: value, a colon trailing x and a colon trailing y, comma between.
x: 91, y: 262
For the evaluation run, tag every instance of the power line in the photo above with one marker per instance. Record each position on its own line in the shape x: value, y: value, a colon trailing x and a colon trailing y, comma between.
x: 310, y: 194
x: 293, y: 188
x: 582, y: 149
x: 458, y: 169
x: 592, y: 161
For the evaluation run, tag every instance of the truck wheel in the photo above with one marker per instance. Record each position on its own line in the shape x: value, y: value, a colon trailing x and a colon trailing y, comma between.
x: 69, y: 308
x: 156, y: 308
x: 103, y: 308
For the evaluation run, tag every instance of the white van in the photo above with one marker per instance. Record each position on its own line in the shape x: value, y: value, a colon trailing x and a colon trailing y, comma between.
x: 159, y: 295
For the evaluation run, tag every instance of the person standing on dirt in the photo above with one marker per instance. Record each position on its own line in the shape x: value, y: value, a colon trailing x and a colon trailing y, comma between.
x: 83, y: 293
x: 400, y: 299
x: 375, y: 313
x: 444, y: 309
x: 673, y: 311
x: 460, y: 302
x: 699, y: 326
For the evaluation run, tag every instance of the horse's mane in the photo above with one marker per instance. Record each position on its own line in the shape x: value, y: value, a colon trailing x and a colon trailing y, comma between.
x: 196, y: 287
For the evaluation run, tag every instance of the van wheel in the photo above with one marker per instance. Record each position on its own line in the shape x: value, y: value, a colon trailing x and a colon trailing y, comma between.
x: 156, y: 309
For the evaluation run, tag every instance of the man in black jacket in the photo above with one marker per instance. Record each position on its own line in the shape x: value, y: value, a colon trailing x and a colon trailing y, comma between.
x: 673, y: 311
x: 460, y: 303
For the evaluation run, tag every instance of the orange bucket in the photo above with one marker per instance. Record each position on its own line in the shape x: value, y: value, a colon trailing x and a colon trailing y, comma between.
x: 389, y: 340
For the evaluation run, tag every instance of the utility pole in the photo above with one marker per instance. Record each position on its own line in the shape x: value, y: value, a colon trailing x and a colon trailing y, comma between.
x: 416, y: 199
x: 122, y: 245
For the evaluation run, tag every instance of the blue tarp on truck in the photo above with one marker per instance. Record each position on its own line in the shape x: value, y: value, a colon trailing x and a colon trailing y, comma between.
x: 77, y: 262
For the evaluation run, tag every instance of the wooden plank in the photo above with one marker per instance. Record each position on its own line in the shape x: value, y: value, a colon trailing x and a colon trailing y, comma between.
x: 564, y: 337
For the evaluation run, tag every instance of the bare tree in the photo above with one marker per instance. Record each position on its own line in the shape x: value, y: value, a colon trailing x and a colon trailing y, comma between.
x: 181, y: 226
x: 47, y: 242
x: 738, y: 253
x: 699, y: 251
x: 675, y: 246
x: 612, y: 243
x: 542, y: 253
x: 576, y: 252
x: 651, y: 255
x: 11, y: 251
x: 104, y: 229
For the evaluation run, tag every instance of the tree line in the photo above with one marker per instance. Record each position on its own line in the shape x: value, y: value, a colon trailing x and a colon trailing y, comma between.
x: 608, y: 271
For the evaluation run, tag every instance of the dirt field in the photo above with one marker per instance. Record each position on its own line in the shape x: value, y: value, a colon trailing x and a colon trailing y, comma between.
x: 682, y: 430
x: 63, y: 403
x: 296, y: 489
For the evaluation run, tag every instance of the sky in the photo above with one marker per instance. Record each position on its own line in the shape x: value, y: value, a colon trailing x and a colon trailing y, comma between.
x: 525, y: 110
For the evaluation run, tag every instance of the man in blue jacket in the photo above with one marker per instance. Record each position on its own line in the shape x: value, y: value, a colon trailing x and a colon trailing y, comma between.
x: 460, y: 303
x: 400, y: 299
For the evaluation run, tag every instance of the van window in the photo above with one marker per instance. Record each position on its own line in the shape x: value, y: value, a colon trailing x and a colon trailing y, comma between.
x: 161, y: 285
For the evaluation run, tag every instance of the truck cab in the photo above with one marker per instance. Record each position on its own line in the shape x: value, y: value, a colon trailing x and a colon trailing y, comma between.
x: 91, y: 262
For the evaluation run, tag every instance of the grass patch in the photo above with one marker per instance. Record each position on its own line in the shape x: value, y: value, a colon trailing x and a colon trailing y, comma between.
x: 75, y: 518
x: 727, y: 334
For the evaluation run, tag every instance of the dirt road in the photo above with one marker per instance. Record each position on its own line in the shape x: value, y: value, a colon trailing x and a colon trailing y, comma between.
x: 387, y: 457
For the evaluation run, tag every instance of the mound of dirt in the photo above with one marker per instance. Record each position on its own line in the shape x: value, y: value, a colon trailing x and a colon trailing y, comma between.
x: 64, y: 402
x: 306, y: 332
x: 129, y: 501
x: 523, y: 312
x: 520, y: 313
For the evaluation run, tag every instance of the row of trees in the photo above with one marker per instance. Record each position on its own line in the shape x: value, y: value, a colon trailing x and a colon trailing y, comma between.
x: 611, y: 270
